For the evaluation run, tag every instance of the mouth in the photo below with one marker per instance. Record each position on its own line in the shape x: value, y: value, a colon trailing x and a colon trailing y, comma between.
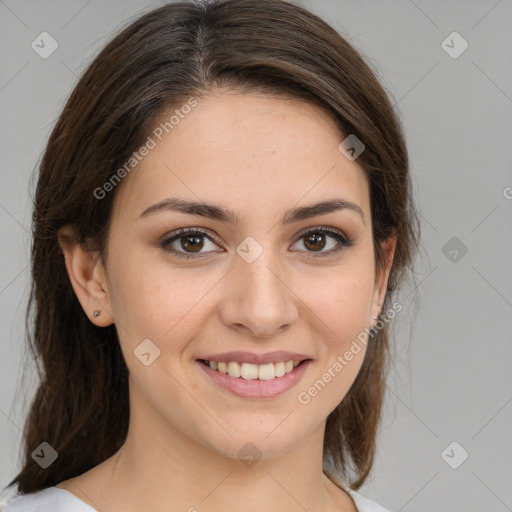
x: 251, y: 380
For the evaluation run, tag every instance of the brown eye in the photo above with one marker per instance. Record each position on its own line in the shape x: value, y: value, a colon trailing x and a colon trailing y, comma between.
x: 187, y: 243
x: 192, y: 242
x: 315, y: 240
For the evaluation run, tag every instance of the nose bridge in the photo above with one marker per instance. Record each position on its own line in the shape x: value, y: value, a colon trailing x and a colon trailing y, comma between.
x: 260, y: 299
x: 261, y: 278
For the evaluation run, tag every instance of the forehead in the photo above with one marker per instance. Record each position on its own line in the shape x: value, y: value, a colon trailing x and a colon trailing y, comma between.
x: 255, y: 153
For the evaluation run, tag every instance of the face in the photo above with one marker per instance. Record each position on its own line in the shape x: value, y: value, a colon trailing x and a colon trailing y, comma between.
x: 257, y: 281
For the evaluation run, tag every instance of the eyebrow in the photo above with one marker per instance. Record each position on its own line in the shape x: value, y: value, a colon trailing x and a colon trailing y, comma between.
x: 226, y: 215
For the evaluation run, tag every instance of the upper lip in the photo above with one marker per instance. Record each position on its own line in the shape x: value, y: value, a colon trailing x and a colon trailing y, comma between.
x: 249, y: 357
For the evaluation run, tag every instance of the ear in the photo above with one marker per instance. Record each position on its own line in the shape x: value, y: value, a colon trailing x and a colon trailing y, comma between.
x: 382, y: 276
x: 87, y: 276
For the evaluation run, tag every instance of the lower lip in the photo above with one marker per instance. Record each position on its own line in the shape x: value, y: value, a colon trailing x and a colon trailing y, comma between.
x: 256, y: 388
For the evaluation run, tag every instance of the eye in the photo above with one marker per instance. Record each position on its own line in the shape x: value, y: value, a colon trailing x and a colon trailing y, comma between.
x: 191, y: 240
x: 314, y: 240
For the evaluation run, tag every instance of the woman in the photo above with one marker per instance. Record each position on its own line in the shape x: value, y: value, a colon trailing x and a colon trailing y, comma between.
x: 223, y: 212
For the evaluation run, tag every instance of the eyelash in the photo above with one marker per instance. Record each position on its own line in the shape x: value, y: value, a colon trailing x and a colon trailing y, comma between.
x: 343, y: 241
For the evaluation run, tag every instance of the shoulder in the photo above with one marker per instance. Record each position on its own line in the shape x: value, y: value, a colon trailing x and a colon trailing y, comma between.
x: 364, y: 504
x: 39, y: 501
x: 51, y: 499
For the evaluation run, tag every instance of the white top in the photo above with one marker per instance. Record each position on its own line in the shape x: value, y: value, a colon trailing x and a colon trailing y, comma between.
x: 55, y: 499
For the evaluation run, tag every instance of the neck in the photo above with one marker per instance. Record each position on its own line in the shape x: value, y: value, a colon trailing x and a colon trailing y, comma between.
x: 161, y: 464
x: 194, y: 477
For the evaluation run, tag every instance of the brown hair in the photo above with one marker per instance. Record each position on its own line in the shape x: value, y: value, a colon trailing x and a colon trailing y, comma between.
x: 155, y: 63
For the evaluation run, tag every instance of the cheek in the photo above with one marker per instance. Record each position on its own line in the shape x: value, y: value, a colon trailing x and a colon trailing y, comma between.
x: 166, y: 305
x: 341, y: 323
x: 342, y: 302
x: 341, y: 317
x: 141, y: 299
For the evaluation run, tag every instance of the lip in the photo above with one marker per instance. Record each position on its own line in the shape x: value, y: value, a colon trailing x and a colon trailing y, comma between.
x: 256, y: 388
x: 249, y: 357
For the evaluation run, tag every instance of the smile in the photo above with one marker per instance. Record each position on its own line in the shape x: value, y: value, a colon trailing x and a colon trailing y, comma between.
x: 250, y: 371
x: 251, y: 380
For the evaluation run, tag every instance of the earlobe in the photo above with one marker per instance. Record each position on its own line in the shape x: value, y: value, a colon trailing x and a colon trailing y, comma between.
x: 86, y: 274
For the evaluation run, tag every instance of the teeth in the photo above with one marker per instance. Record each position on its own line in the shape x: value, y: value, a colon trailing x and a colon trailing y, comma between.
x: 233, y: 369
x: 266, y: 371
x: 279, y: 369
x: 250, y: 371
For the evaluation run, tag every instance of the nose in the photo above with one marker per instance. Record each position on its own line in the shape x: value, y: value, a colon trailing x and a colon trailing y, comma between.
x: 259, y: 302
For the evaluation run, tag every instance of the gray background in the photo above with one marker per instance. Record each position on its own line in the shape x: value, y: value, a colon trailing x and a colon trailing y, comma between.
x: 451, y: 379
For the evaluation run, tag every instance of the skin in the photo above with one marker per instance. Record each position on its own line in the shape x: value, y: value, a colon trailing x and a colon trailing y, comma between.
x: 185, y: 432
